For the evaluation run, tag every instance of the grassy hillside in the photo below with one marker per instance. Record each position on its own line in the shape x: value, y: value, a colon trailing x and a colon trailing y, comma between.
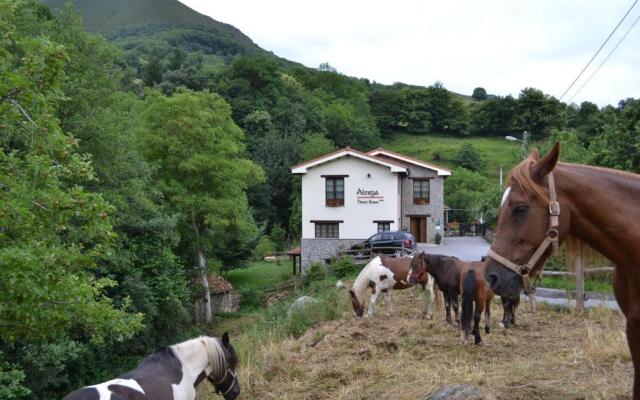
x: 167, y: 21
x: 443, y: 150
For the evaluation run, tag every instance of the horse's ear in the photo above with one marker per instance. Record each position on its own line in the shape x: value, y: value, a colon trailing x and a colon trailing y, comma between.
x: 546, y: 164
x: 534, y: 155
x: 225, y: 339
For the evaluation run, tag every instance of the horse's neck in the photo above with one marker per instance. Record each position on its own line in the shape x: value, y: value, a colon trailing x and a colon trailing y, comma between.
x: 604, y: 212
x: 193, y: 356
x: 435, y: 266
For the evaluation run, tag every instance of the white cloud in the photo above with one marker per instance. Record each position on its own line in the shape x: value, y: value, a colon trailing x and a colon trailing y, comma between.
x: 503, y: 45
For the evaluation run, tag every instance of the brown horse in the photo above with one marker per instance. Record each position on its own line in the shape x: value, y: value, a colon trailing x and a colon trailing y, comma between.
x: 475, y: 289
x: 445, y: 270
x: 548, y: 202
x: 381, y: 275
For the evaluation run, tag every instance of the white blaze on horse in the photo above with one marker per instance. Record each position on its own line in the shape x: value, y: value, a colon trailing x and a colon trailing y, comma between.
x: 383, y: 274
x: 172, y: 373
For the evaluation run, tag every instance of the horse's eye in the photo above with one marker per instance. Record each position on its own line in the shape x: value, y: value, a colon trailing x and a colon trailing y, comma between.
x: 520, y: 209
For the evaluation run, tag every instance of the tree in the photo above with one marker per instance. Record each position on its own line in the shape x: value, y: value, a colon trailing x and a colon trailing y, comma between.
x: 197, y: 151
x: 479, y: 93
x: 54, y: 230
x: 469, y: 157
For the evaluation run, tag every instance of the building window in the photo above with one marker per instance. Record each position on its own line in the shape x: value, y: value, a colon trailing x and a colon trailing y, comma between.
x: 334, y: 191
x: 421, y: 191
x: 327, y: 230
x: 384, y: 226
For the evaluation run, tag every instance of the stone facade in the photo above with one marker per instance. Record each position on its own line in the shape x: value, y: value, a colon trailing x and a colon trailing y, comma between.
x: 323, y: 249
x: 434, y: 210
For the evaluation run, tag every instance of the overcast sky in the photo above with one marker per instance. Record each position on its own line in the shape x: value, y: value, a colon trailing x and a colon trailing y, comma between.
x: 502, y: 46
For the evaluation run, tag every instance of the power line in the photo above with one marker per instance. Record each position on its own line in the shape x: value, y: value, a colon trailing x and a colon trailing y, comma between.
x: 606, y: 58
x: 600, y: 49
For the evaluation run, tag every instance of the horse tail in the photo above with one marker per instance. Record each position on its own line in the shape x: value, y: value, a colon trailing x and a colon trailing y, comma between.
x: 468, y: 293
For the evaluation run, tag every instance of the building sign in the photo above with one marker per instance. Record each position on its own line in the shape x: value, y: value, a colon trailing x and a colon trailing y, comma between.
x: 369, y: 196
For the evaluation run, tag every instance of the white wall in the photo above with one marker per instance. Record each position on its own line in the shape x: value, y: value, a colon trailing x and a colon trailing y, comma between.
x: 358, y: 218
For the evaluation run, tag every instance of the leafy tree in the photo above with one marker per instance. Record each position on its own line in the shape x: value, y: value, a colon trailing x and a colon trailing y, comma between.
x: 55, y: 230
x: 469, y: 157
x: 464, y: 193
x: 538, y: 113
x: 153, y: 70
x: 197, y: 151
x: 479, y: 93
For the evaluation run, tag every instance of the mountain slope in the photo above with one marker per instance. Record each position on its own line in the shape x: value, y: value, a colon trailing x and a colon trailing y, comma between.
x: 118, y: 19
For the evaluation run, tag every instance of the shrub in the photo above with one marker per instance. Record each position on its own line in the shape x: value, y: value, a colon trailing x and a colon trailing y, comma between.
x: 343, y: 267
x: 264, y: 247
x: 438, y: 238
x: 251, y: 298
x: 315, y: 272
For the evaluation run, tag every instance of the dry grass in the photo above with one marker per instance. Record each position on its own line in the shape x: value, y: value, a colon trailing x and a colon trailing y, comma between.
x: 551, y: 355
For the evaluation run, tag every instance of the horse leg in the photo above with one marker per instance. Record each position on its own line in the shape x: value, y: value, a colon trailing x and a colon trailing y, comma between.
x: 428, y: 298
x: 374, y: 297
x: 387, y: 301
x: 447, y: 304
x: 514, y: 307
x: 477, y: 316
x: 629, y: 306
x: 487, y: 316
x: 456, y: 307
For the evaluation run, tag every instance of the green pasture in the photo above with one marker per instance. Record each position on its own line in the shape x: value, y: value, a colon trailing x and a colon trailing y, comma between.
x: 443, y: 150
x: 260, y: 274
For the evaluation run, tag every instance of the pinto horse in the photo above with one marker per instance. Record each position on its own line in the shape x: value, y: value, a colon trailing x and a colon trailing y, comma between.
x: 382, y: 274
x: 172, y: 373
x: 548, y: 202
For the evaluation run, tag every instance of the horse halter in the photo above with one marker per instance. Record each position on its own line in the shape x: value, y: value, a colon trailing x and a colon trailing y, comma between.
x: 233, y: 382
x: 416, y: 275
x: 551, y: 239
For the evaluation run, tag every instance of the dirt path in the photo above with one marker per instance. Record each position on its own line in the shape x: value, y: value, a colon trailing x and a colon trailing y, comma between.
x: 552, y: 355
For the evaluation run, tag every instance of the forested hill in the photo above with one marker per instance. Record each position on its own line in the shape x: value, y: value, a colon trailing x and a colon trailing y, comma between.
x: 161, y: 21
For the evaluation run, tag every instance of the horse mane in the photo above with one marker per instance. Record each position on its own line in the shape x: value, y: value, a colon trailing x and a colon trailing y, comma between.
x: 216, y: 354
x: 521, y: 175
x: 362, y: 281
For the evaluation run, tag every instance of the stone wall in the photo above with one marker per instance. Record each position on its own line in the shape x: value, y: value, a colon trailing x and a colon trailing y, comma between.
x: 322, y: 249
x: 435, y: 208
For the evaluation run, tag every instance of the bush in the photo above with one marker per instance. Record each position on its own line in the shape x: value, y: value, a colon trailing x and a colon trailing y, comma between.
x: 343, y: 267
x: 438, y: 238
x: 315, y: 272
x: 251, y: 298
x: 264, y: 247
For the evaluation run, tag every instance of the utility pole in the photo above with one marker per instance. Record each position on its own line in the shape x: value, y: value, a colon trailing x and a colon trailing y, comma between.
x: 525, y: 142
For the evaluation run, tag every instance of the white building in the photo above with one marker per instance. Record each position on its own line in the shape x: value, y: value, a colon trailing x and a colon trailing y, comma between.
x: 347, y: 196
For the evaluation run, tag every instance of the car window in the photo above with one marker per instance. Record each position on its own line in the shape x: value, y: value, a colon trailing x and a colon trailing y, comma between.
x: 375, y: 238
x: 387, y: 236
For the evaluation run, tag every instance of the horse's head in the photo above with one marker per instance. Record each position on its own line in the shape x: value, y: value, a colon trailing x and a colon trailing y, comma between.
x: 418, y: 268
x: 525, y: 231
x: 226, y: 383
x: 358, y: 306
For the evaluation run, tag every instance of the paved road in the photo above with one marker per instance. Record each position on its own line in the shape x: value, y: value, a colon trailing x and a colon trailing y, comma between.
x: 468, y: 248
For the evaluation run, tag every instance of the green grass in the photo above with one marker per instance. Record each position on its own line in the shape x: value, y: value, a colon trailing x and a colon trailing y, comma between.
x: 260, y: 275
x: 442, y: 150
x: 590, y: 285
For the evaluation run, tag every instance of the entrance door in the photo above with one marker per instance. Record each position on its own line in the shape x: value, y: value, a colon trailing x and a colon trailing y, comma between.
x: 418, y: 228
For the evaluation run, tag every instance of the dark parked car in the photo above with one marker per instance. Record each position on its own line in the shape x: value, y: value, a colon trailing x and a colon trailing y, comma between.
x: 387, y: 242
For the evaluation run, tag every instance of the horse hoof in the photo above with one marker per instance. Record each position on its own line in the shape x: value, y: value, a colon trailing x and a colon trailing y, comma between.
x: 501, y: 325
x: 487, y: 329
x: 480, y: 343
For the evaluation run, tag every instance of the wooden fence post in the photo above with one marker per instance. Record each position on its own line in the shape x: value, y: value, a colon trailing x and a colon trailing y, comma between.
x: 579, y: 279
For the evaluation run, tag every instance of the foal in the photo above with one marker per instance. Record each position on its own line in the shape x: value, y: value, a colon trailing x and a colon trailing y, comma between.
x: 172, y: 373
x: 382, y: 274
x: 475, y: 289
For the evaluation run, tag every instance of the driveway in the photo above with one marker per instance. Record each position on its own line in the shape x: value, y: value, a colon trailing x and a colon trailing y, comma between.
x: 467, y: 248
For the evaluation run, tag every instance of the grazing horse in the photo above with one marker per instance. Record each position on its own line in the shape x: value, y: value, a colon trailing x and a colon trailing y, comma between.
x: 382, y: 274
x: 172, y: 373
x: 548, y: 202
x: 445, y: 270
